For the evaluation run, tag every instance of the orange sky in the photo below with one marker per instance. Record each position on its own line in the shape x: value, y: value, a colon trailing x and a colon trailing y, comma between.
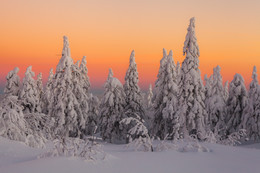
x: 31, y: 31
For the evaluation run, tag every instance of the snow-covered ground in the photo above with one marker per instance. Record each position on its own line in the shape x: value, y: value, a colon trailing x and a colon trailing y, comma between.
x: 15, y: 157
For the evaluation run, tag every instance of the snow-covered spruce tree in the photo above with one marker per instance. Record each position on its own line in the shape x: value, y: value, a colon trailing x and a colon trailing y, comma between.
x: 84, y: 74
x: 29, y: 94
x: 64, y: 106
x: 165, y: 105
x: 236, y: 104
x: 93, y: 115
x: 47, y: 93
x: 208, y: 86
x: 226, y: 91
x: 38, y: 122
x: 192, y: 109
x: 149, y: 97
x: 12, y: 122
x: 85, y: 101
x: 14, y: 126
x: 148, y: 102
x: 132, y: 91
x: 251, y: 114
x: 112, y: 111
x: 216, y: 104
x: 81, y: 96
x: 170, y: 113
x: 39, y: 86
x: 159, y: 82
x: 158, y: 94
x: 178, y: 71
x: 77, y: 63
x: 13, y: 83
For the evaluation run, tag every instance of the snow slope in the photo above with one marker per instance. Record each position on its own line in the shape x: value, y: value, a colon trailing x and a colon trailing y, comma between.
x: 15, y: 157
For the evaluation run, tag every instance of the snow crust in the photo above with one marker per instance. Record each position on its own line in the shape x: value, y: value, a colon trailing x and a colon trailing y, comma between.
x: 16, y: 157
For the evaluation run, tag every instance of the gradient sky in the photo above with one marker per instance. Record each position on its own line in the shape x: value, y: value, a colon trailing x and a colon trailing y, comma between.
x: 106, y: 31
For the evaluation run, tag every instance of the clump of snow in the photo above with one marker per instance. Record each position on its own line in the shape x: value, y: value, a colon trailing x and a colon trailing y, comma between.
x: 138, y: 134
x: 234, y: 138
